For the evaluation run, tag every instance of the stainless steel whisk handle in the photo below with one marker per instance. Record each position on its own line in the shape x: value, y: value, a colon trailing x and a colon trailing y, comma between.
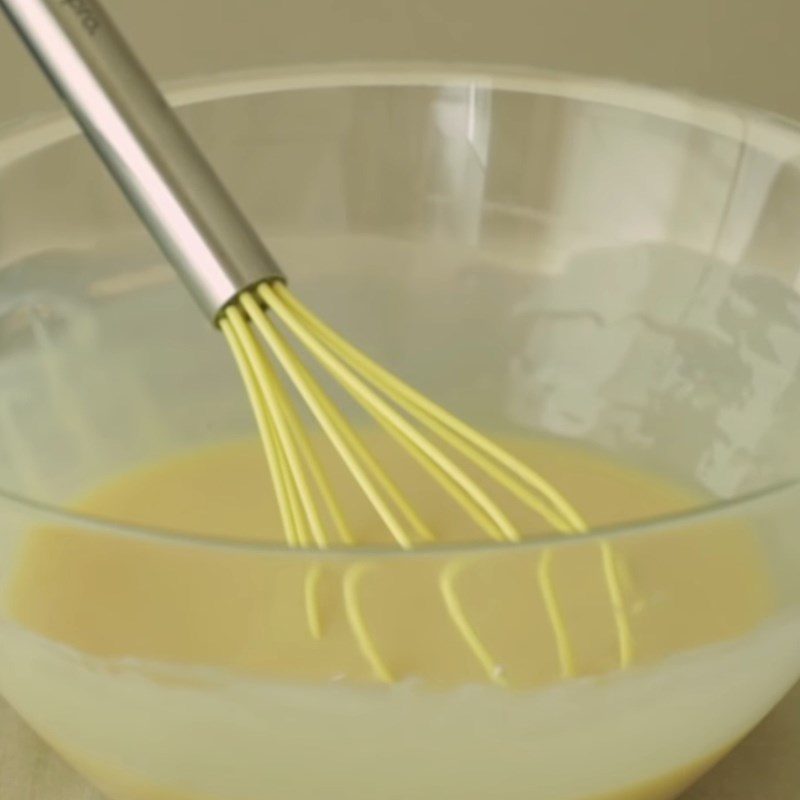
x: 146, y: 148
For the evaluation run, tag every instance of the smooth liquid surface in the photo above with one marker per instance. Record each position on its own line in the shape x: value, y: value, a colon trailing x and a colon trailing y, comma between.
x: 114, y: 598
x: 138, y: 602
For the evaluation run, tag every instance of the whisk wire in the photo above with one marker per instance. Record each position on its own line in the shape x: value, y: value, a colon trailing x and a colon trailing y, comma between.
x: 393, y: 422
x: 454, y: 431
x: 460, y: 495
x: 364, y: 468
x: 621, y: 620
x: 355, y: 618
x: 301, y: 500
x: 264, y: 422
x: 447, y: 583
x: 314, y: 467
x: 566, y: 655
x: 311, y: 596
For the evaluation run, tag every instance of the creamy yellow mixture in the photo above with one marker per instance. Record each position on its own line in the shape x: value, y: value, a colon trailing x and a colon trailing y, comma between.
x: 247, y: 613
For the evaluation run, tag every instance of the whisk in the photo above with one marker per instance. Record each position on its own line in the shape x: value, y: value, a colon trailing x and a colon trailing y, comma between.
x: 243, y: 291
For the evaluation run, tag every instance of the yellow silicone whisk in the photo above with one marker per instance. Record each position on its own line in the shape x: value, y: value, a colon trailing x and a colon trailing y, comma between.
x: 243, y: 292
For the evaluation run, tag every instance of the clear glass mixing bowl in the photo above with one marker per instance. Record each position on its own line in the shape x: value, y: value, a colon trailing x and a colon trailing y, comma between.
x: 591, y: 261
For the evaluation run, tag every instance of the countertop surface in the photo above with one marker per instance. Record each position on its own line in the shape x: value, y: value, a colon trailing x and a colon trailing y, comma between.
x: 765, y: 766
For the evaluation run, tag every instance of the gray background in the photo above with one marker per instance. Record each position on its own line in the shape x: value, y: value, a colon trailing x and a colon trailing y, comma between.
x: 745, y: 50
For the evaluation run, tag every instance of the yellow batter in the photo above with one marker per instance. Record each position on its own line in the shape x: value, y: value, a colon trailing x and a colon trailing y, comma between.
x: 248, y: 612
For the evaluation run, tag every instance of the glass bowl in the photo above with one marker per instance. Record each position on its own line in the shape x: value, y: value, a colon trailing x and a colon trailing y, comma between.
x: 607, y: 268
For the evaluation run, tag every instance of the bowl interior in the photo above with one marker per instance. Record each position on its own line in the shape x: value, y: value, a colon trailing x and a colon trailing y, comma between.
x: 543, y: 256
x: 549, y: 260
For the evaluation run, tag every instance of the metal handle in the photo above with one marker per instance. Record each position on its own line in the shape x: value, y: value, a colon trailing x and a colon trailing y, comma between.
x: 146, y: 148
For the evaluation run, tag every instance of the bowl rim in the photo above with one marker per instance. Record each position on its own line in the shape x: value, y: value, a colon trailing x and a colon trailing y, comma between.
x: 714, y: 512
x: 779, y: 134
x: 768, y: 131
